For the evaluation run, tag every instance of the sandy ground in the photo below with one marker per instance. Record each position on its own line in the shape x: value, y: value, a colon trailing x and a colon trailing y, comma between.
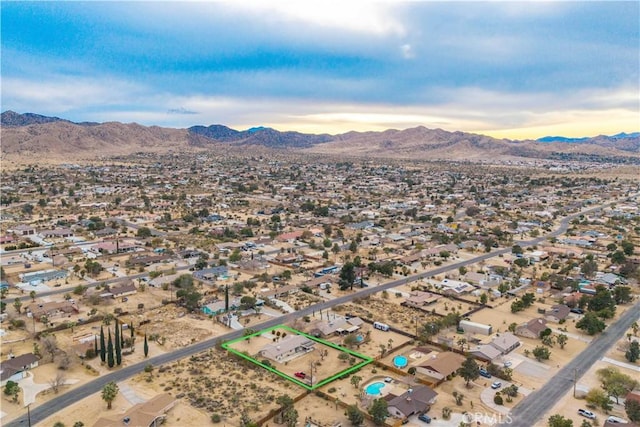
x: 568, y: 405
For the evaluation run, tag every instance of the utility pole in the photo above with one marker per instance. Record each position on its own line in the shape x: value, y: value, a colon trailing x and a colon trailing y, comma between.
x: 29, y: 414
x: 575, y: 379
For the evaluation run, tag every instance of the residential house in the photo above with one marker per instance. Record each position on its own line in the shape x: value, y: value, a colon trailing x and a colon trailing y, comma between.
x: 219, y: 307
x: 505, y: 342
x: 211, y: 274
x: 337, y: 326
x: 416, y: 400
x: 43, y: 276
x: 288, y: 347
x: 123, y: 290
x: 58, y: 233
x: 557, y: 313
x: 23, y: 230
x: 148, y: 414
x: 52, y: 309
x: 15, y: 368
x: 454, y: 286
x: 532, y: 328
x: 441, y: 365
x: 420, y: 299
x: 610, y: 279
x: 485, y: 352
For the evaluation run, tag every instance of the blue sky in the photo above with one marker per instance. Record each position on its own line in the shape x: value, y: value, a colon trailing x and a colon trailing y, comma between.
x: 508, y: 69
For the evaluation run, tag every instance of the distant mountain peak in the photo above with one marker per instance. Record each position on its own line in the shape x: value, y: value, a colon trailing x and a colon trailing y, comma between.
x: 12, y: 119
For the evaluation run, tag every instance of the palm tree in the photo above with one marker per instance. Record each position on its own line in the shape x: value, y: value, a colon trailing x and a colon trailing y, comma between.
x: 109, y: 393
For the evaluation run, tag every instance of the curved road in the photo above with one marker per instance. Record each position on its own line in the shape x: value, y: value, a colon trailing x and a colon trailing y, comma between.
x: 48, y: 408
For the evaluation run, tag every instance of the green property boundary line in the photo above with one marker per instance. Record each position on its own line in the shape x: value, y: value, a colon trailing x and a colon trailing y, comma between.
x: 365, y: 359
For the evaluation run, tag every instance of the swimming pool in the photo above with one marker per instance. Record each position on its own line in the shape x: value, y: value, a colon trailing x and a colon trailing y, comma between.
x: 400, y: 361
x: 373, y: 389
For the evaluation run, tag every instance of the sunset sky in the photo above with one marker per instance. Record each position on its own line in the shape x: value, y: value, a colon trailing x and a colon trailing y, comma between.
x: 507, y: 69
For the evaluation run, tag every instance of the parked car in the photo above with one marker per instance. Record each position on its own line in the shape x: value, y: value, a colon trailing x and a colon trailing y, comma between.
x: 577, y: 310
x: 507, y: 363
x: 424, y: 417
x: 496, y: 385
x: 587, y: 414
x: 484, y: 373
x: 301, y: 375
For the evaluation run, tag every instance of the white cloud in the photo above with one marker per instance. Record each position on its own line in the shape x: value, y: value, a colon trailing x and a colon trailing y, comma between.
x: 352, y: 15
x: 62, y: 94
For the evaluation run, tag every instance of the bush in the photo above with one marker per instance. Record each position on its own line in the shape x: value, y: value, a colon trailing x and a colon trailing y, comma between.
x: 216, y: 418
x: 497, y: 399
x: 332, y: 390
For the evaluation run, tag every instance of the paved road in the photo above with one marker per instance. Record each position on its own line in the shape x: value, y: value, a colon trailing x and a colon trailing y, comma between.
x: 47, y: 408
x: 536, y: 405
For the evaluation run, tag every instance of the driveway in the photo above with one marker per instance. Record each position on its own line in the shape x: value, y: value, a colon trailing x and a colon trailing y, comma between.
x: 488, y: 393
x: 30, y: 389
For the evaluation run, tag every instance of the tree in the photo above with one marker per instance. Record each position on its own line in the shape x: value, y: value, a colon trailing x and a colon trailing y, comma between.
x: 615, y: 383
x: 290, y: 416
x: 598, y: 398
x: 145, y: 347
x: 143, y: 232
x: 247, y: 302
x: 591, y: 324
x: 602, y: 303
x: 458, y: 397
x: 12, y: 389
x: 286, y: 403
x: 559, y: 421
x: 541, y: 353
x: 378, y: 411
x: 627, y: 247
x: 562, y: 339
x: 469, y: 370
x: 347, y: 276
x: 589, y: 267
x: 622, y: 294
x: 103, y: 347
x: 57, y: 381
x: 50, y: 345
x: 633, y: 354
x: 109, y: 393
x: 110, y: 359
x: 118, y: 344
x: 355, y: 380
x: 32, y: 294
x: 190, y: 298
x: 632, y: 408
x: 356, y: 417
x: 17, y: 304
x: 618, y: 257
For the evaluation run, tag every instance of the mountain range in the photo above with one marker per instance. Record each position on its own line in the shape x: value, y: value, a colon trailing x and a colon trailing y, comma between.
x: 32, y: 135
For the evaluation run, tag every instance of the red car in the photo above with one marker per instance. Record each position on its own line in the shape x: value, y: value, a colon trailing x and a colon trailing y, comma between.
x: 301, y: 375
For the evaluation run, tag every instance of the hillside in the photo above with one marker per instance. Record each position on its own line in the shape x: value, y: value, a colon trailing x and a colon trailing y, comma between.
x: 30, y: 136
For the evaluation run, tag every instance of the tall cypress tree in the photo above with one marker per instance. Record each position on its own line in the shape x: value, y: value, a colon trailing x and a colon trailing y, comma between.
x: 95, y: 345
x: 110, y: 361
x: 226, y: 299
x: 146, y: 346
x: 121, y: 337
x: 103, y: 347
x: 118, y: 345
